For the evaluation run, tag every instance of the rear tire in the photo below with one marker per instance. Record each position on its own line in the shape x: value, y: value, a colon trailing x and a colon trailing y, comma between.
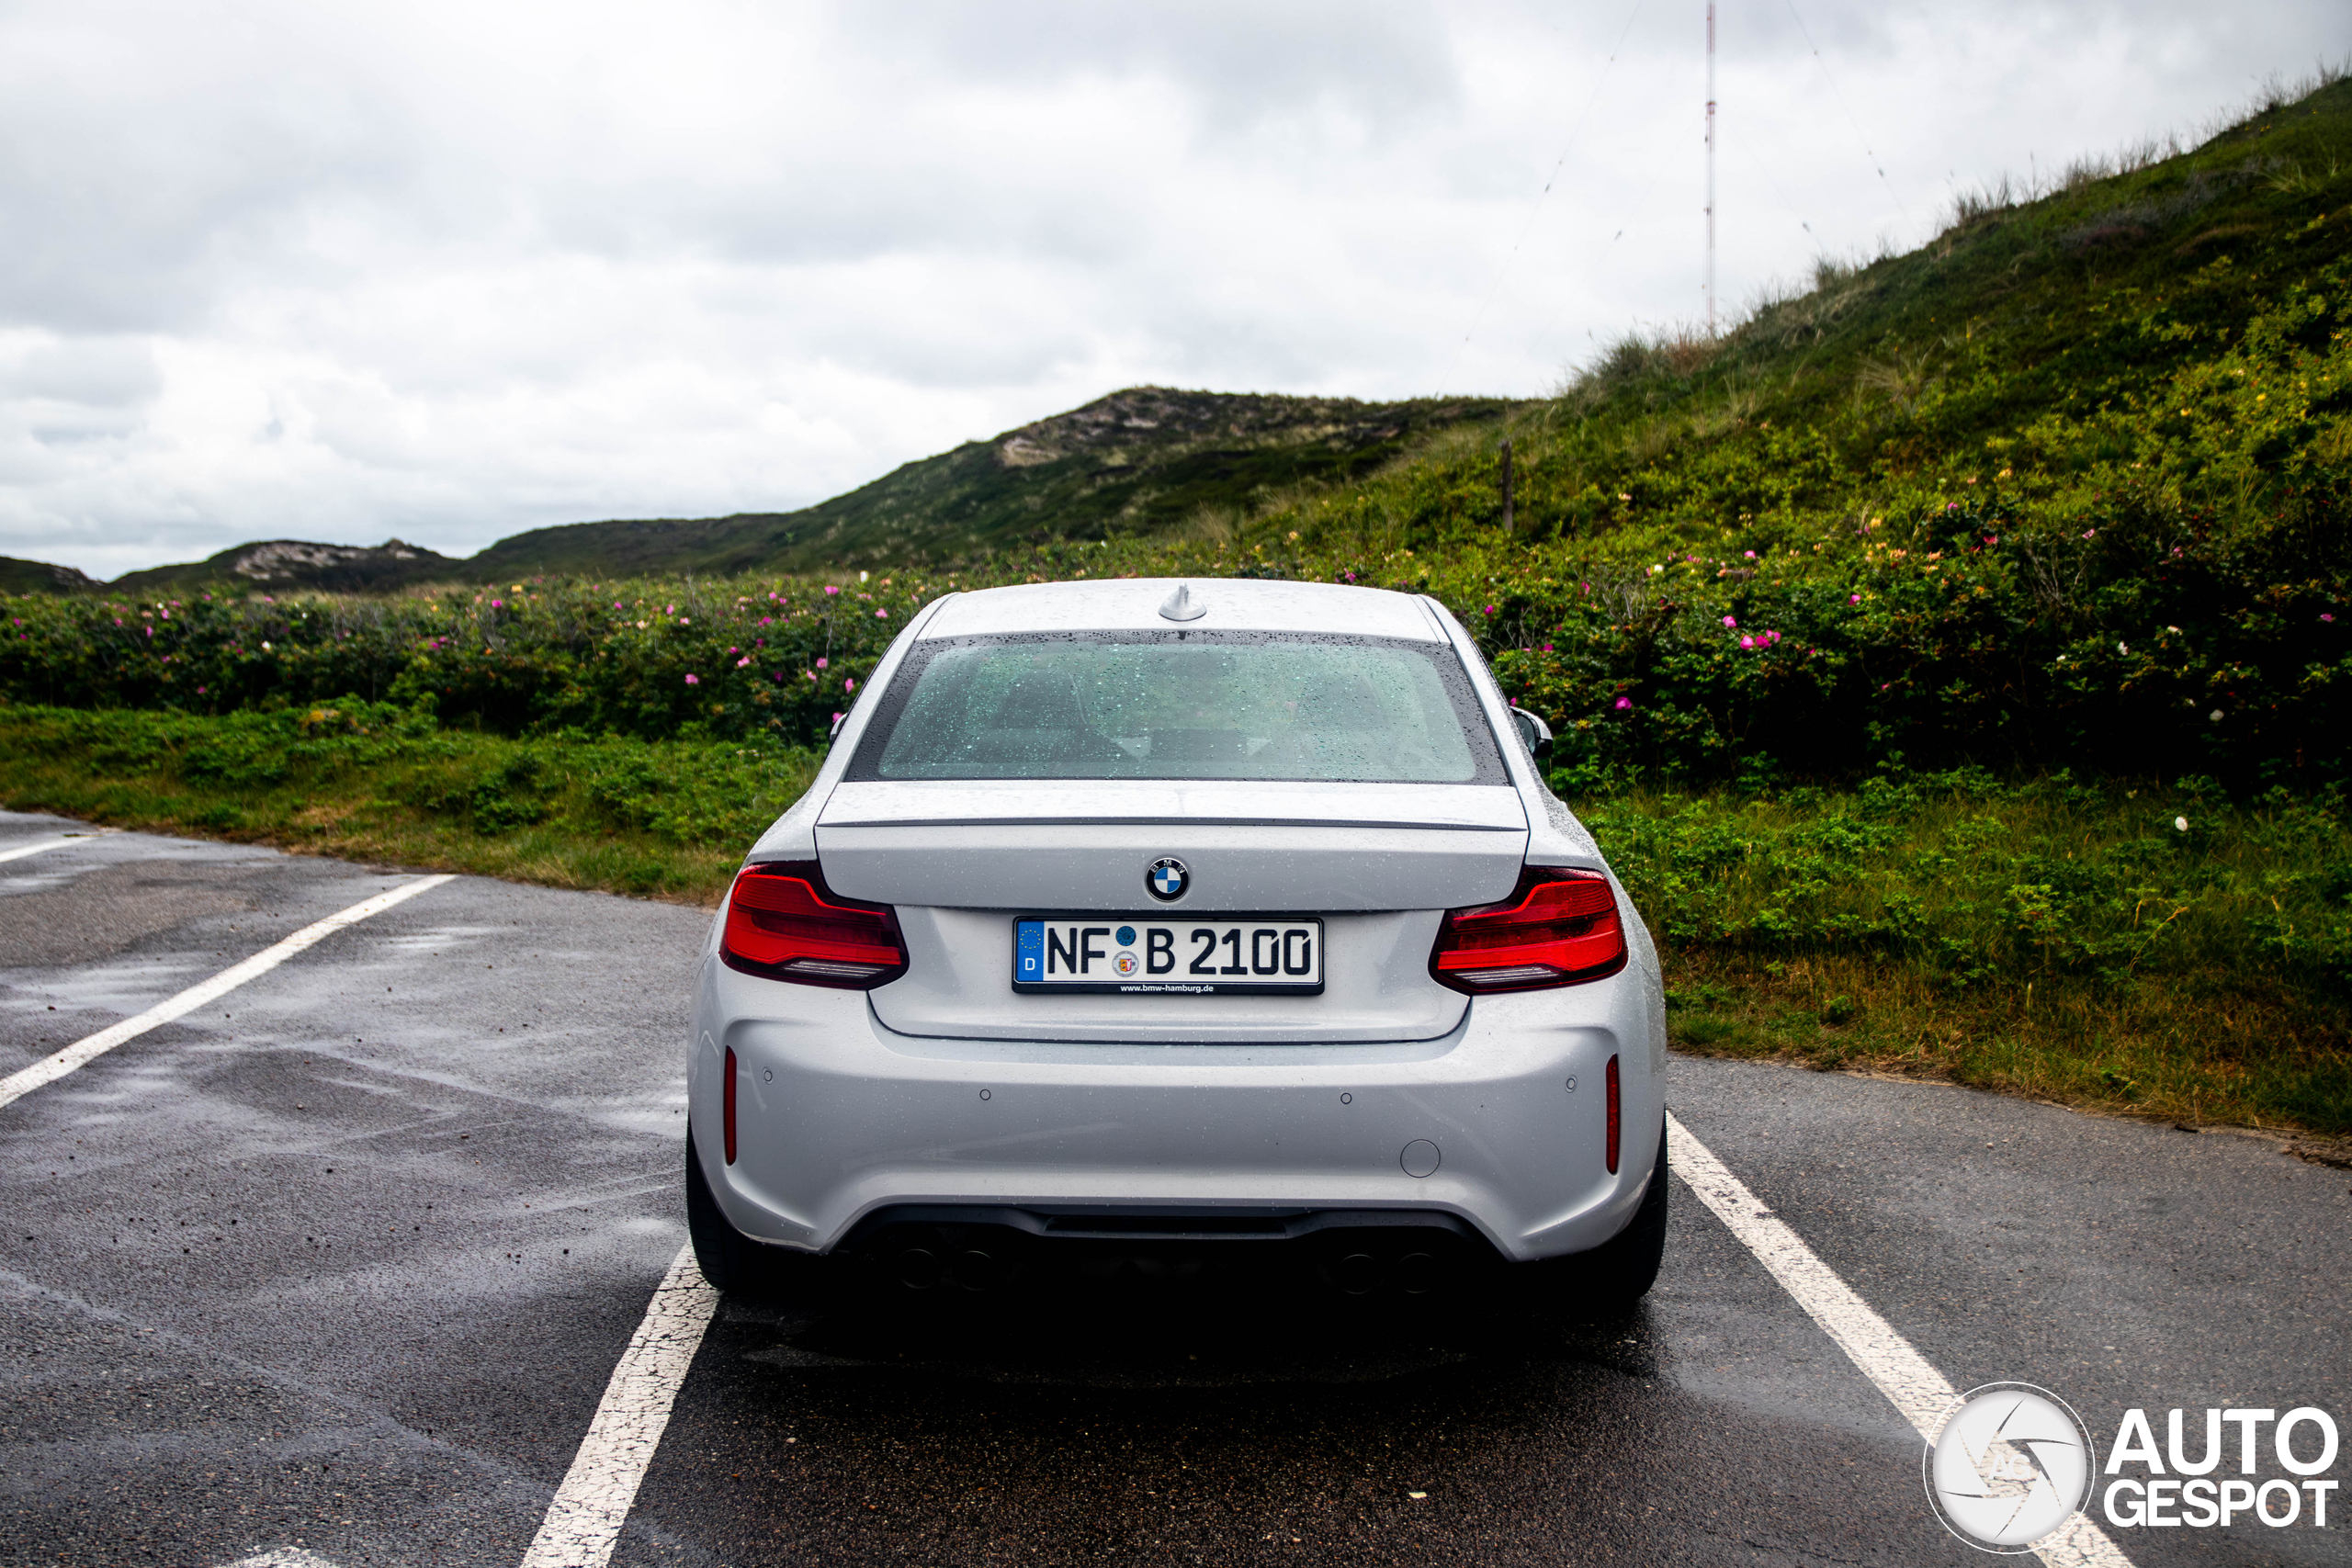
x: 735, y: 1265
x: 1614, y: 1276
x: 1626, y: 1266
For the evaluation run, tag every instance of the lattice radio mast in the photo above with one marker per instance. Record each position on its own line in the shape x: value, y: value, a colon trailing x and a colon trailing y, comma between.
x: 1711, y: 168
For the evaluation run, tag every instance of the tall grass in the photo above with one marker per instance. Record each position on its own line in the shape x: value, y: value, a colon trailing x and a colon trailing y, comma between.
x: 1977, y: 879
x: 372, y: 781
x: 2149, y: 947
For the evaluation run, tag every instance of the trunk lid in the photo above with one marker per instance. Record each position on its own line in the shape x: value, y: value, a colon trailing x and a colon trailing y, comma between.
x: 1378, y: 863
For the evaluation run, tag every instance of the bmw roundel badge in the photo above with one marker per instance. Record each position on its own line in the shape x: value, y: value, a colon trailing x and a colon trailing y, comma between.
x: 1166, y: 879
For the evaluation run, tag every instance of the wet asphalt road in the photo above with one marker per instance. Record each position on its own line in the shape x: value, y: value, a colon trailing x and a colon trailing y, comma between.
x: 344, y: 1261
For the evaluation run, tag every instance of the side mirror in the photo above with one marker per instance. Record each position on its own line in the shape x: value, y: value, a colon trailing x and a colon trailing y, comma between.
x: 1533, y: 730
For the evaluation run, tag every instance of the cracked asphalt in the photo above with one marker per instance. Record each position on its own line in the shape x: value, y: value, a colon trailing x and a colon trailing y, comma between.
x: 342, y: 1262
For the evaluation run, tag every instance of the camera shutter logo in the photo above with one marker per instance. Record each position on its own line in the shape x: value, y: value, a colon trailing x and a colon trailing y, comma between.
x: 2011, y: 1465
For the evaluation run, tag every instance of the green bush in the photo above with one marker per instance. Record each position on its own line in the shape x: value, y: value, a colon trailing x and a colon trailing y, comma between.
x: 1972, y: 880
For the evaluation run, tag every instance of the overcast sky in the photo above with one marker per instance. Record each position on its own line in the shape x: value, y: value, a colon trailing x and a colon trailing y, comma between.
x: 449, y: 271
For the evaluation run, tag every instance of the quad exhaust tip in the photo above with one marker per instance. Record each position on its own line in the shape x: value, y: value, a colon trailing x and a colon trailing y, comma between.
x: 1362, y: 1273
x: 919, y: 1268
x: 1353, y: 1274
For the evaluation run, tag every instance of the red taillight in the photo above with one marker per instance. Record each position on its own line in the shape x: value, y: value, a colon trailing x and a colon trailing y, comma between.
x: 1558, y: 928
x: 1614, y: 1119
x: 782, y: 922
x: 727, y: 1100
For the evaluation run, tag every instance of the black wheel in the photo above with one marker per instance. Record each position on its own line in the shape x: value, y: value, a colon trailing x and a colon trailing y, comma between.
x: 1621, y: 1270
x: 733, y: 1263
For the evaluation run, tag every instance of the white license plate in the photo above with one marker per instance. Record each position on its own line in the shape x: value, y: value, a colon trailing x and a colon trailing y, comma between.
x: 1147, y: 956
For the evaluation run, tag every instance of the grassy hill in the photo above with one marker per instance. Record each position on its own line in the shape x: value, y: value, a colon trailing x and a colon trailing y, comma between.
x: 2066, y: 487
x: 2090, y: 337
x: 1145, y: 461
x: 286, y: 566
x: 39, y: 577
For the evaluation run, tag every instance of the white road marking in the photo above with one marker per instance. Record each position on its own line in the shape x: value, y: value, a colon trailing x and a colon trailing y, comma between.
x: 1919, y: 1392
x: 584, y: 1521
x: 48, y: 1070
x: 282, y: 1557
x: 22, y: 851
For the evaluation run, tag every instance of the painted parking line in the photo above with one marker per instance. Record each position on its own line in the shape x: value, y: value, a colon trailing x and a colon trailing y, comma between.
x: 1923, y: 1395
x: 51, y: 1068
x: 21, y: 851
x: 584, y: 1521
x: 282, y: 1557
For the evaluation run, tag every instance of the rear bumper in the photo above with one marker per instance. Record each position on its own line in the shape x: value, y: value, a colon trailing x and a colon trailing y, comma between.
x: 840, y: 1119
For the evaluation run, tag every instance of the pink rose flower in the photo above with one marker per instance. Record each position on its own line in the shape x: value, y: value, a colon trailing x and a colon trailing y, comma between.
x: 1624, y: 703
x: 693, y: 679
x: 1729, y: 622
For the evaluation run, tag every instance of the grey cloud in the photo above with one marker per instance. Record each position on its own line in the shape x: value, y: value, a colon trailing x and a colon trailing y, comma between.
x: 1244, y: 59
x: 93, y: 372
x: 134, y: 174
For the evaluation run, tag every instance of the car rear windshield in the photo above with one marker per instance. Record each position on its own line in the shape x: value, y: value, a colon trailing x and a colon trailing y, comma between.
x: 1181, y: 705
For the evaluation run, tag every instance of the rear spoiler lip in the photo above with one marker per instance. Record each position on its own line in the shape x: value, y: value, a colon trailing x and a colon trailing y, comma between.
x: 1405, y: 824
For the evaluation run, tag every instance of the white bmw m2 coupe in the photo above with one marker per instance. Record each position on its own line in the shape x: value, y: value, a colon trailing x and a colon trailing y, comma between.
x: 1217, y: 920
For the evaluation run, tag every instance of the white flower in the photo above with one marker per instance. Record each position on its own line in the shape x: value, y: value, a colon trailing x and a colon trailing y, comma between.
x: 2181, y: 823
x: 2216, y: 715
x: 2120, y: 649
